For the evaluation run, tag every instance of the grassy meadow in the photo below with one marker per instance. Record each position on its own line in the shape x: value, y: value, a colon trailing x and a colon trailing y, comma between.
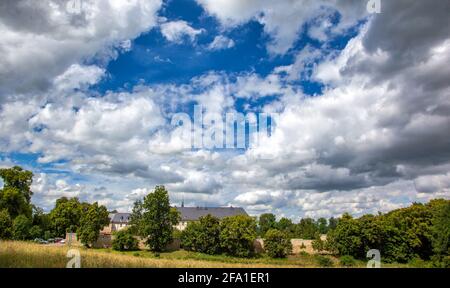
x: 16, y: 254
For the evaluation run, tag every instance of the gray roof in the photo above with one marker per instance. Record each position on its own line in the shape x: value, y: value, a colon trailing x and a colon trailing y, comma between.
x: 119, y: 217
x: 194, y: 213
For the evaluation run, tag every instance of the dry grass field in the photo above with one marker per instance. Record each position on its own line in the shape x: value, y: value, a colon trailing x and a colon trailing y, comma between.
x: 16, y: 254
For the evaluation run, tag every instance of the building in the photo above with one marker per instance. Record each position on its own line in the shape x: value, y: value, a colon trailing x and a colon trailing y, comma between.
x: 118, y: 221
x: 189, y: 214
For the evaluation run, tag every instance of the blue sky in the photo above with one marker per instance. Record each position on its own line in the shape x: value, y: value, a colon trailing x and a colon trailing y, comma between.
x: 87, y: 99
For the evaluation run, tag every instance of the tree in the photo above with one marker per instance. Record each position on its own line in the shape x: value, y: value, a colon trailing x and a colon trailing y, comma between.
x: 322, y: 225
x: 92, y: 221
x: 286, y: 226
x: 157, y: 219
x: 18, y: 178
x: 21, y: 228
x: 237, y: 235
x: 266, y: 221
x: 136, y: 217
x: 5, y: 224
x: 345, y: 239
x: 124, y: 241
x: 202, y: 236
x: 277, y: 244
x: 66, y: 215
x: 441, y: 228
x: 306, y: 229
x: 16, y: 193
x: 332, y: 223
x: 36, y: 232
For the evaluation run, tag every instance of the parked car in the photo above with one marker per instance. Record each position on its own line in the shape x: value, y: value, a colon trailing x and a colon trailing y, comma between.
x: 40, y: 241
x: 58, y: 239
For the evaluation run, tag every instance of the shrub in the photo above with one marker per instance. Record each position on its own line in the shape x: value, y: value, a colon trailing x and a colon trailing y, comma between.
x: 202, y: 236
x: 303, y: 246
x: 237, y: 234
x: 347, y: 261
x: 318, y: 244
x: 124, y: 241
x: 323, y: 261
x: 277, y: 244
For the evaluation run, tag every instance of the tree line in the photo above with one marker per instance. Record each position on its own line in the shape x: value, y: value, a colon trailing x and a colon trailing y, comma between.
x: 420, y: 232
x: 21, y: 220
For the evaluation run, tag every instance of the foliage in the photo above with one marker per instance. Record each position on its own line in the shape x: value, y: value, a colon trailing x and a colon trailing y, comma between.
x: 21, y: 228
x: 5, y: 224
x: 266, y: 221
x: 318, y: 244
x: 202, y: 236
x: 286, y: 226
x: 418, y: 231
x: 66, y: 215
x: 124, y: 241
x: 306, y: 229
x: 16, y: 193
x: 322, y: 225
x: 347, y: 261
x: 93, y: 219
x: 440, y: 234
x: 35, y: 232
x: 155, y: 219
x: 237, y: 235
x: 277, y: 244
x: 332, y: 223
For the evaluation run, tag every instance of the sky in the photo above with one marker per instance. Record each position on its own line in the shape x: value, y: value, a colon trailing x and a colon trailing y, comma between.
x: 89, y: 90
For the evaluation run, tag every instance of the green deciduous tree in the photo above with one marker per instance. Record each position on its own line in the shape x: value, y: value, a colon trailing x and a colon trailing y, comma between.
x: 306, y: 229
x: 440, y: 236
x: 16, y: 193
x: 92, y: 221
x: 266, y: 221
x: 237, y: 235
x: 286, y: 226
x: 5, y: 224
x: 66, y: 215
x: 277, y: 244
x: 21, y: 228
x: 36, y: 232
x: 202, y: 236
x: 157, y: 219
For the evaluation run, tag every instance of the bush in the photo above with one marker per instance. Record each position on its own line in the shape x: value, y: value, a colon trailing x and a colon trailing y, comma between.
x: 5, y: 224
x: 323, y: 261
x: 347, y: 261
x: 202, y: 236
x: 21, y: 228
x: 277, y: 244
x: 124, y: 241
x: 237, y: 235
